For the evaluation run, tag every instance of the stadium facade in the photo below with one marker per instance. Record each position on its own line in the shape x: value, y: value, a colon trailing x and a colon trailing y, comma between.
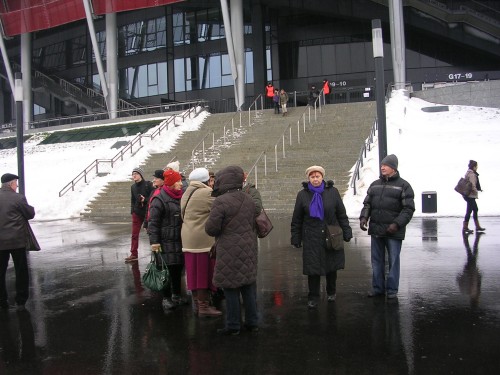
x: 153, y: 52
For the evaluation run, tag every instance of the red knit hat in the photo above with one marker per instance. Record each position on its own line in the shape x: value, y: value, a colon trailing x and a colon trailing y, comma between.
x: 170, y: 177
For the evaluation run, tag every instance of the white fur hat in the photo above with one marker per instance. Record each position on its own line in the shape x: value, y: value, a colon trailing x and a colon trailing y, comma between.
x: 173, y: 165
x: 199, y: 174
x: 315, y: 168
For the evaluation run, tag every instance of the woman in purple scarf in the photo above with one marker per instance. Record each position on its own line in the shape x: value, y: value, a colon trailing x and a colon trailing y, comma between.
x: 319, y: 204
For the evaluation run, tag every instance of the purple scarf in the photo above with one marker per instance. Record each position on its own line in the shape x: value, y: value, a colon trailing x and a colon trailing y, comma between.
x: 316, y: 208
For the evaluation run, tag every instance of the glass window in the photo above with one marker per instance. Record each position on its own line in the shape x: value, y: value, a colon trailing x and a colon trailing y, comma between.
x: 227, y: 78
x: 53, y: 56
x: 249, y: 67
x: 38, y: 110
x: 143, y: 36
x: 179, y: 75
x: 214, y: 68
x: 101, y: 42
x: 146, y: 80
x: 78, y: 50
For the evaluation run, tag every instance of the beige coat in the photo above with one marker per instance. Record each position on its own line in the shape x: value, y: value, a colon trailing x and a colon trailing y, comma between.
x: 195, y: 215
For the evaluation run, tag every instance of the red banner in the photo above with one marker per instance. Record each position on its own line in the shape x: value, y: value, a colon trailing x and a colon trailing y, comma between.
x: 19, y: 17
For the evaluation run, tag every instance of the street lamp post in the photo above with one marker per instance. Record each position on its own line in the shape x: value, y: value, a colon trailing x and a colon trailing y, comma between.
x: 378, y: 55
x: 18, y: 96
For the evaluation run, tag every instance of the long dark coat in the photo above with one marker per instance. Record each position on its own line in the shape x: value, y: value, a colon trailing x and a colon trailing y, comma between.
x: 164, y: 227
x: 14, y: 215
x: 310, y: 231
x: 232, y: 222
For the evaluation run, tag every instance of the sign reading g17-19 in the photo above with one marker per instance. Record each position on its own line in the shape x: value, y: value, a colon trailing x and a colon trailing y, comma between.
x: 459, y: 76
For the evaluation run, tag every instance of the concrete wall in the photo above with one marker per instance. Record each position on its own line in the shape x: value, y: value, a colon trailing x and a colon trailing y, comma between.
x: 477, y: 94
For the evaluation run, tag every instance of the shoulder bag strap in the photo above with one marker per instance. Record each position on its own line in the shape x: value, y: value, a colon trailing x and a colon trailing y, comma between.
x: 190, y: 195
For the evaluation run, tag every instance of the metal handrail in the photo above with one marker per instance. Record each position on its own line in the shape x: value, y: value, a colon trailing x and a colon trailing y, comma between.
x: 287, y: 133
x: 211, y: 132
x: 362, y: 155
x: 119, y: 113
x: 119, y: 156
x: 254, y: 103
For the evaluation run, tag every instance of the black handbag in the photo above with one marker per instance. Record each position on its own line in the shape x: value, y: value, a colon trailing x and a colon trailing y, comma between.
x: 263, y: 223
x: 156, y: 275
x: 463, y: 187
x: 334, y: 237
x: 31, y: 241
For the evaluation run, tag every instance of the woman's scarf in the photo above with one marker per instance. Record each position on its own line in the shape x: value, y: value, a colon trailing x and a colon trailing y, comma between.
x: 478, y: 185
x: 316, y: 208
x: 176, y: 194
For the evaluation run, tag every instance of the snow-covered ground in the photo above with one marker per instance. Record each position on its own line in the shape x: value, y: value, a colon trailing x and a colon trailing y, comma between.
x: 433, y: 150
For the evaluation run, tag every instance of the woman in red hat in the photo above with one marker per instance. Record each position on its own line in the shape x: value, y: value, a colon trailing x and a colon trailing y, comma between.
x: 164, y: 229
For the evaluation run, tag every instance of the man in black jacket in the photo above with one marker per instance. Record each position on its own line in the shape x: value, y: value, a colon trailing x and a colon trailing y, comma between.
x: 14, y: 215
x: 140, y: 192
x: 389, y: 206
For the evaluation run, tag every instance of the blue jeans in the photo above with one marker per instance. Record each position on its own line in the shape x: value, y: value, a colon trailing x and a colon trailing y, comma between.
x: 393, y: 246
x: 233, y: 312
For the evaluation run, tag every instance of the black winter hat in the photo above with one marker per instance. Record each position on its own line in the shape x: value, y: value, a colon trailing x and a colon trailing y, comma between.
x: 158, y: 174
x: 391, y: 161
x: 8, y: 177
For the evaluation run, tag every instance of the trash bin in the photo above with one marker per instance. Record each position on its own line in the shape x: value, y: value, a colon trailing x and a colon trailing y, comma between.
x: 429, y: 202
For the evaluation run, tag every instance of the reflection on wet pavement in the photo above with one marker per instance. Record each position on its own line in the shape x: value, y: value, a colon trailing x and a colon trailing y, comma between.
x: 89, y: 313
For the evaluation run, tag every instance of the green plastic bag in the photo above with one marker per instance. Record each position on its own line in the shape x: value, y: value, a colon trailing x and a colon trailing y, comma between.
x: 156, y: 275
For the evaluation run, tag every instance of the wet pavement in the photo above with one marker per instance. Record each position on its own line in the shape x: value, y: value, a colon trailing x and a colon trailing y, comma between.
x: 89, y: 314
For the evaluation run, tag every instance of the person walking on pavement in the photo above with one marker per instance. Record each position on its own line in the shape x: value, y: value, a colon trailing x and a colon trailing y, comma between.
x: 14, y: 215
x: 473, y: 177
x: 164, y: 229
x: 317, y: 205
x: 231, y: 222
x: 140, y: 192
x: 269, y: 95
x: 196, y: 204
x: 389, y: 206
x: 276, y: 102
x: 283, y: 102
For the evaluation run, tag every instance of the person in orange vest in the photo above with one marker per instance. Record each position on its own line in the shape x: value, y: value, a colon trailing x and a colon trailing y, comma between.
x: 269, y: 95
x: 326, y: 90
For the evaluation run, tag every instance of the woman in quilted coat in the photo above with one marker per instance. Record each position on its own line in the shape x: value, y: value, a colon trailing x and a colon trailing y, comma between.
x: 317, y: 205
x: 232, y: 222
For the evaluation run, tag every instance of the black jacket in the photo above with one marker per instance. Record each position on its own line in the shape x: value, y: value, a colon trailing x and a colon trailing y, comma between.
x: 143, y: 188
x: 14, y: 215
x: 310, y: 231
x: 388, y: 201
x: 164, y: 227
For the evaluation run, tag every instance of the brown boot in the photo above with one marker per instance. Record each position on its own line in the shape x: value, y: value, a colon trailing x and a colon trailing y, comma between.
x: 478, y: 227
x: 206, y: 310
x: 465, y: 228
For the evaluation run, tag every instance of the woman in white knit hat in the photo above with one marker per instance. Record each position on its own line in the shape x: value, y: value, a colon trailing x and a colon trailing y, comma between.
x: 317, y: 205
x: 196, y: 204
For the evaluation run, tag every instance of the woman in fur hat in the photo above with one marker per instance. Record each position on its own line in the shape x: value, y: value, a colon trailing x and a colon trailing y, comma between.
x: 317, y: 205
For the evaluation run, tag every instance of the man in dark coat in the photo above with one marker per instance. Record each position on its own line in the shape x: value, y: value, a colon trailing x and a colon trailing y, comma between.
x: 14, y: 215
x: 317, y: 205
x: 140, y: 192
x: 389, y: 206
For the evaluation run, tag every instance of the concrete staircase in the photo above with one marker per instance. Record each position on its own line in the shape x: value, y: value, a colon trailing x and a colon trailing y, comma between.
x: 333, y: 141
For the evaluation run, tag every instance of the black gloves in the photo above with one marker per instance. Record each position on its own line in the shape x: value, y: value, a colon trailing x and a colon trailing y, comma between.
x: 296, y: 245
x: 362, y: 223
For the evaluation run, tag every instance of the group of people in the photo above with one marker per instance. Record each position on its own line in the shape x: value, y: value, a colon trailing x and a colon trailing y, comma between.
x: 187, y: 221
x: 184, y: 224
x: 276, y: 99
